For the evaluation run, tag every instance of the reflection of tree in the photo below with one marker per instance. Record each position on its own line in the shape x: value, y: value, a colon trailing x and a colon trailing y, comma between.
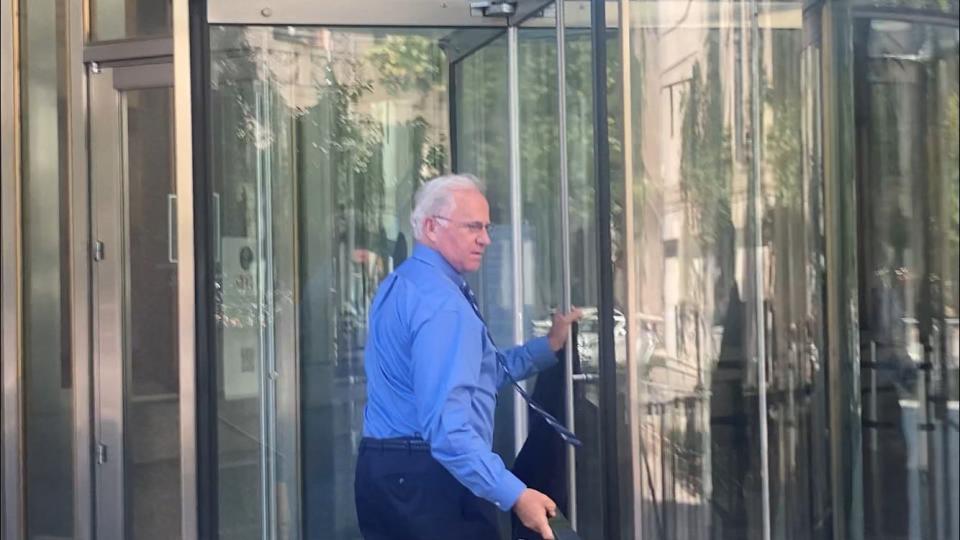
x: 706, y: 172
x: 782, y: 150
x: 407, y: 64
x: 339, y: 84
x: 354, y: 142
x: 705, y: 165
x: 950, y: 133
x: 411, y: 66
x: 539, y: 148
x: 538, y: 127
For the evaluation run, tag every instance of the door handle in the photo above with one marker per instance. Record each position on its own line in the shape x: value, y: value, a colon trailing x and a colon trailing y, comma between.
x: 171, y: 230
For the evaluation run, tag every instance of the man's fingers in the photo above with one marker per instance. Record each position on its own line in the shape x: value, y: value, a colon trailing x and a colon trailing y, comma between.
x: 568, y: 318
x: 545, y: 531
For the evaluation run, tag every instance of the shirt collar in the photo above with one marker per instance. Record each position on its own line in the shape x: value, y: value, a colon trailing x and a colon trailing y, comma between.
x: 435, y: 259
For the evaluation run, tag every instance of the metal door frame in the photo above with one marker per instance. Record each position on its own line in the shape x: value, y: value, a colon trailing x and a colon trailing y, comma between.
x: 109, y: 191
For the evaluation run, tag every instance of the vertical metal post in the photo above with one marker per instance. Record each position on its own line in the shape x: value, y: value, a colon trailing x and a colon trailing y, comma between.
x: 516, y: 218
x: 873, y: 417
x: 607, y: 348
x: 10, y: 287
x: 78, y: 194
x: 756, y: 198
x: 186, y: 267
x: 841, y: 287
x: 633, y: 337
x: 265, y: 293
x: 107, y: 138
x: 565, y: 271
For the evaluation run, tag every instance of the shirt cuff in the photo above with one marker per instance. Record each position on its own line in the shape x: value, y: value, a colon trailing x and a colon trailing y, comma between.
x: 541, y: 353
x: 505, y: 494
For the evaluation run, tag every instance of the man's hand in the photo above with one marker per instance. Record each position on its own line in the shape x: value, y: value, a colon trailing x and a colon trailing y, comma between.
x: 534, y: 509
x: 561, y: 328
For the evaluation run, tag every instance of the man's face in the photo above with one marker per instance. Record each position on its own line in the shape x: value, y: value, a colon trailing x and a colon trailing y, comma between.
x: 460, y: 234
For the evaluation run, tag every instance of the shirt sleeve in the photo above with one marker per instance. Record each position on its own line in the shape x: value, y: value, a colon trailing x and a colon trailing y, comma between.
x: 446, y: 357
x: 527, y: 359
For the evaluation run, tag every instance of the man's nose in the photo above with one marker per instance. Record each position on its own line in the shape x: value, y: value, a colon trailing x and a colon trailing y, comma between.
x: 484, y: 238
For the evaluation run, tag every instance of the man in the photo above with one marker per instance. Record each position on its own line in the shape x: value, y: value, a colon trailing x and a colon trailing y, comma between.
x: 426, y: 468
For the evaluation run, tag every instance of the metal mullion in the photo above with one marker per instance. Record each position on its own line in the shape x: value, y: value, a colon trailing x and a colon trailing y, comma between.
x: 633, y: 359
x: 125, y: 361
x: 264, y: 309
x: 11, y: 286
x: 516, y: 215
x: 367, y: 13
x: 607, y: 350
x: 841, y: 286
x: 79, y: 205
x: 107, y: 291
x: 128, y: 49
x: 565, y: 270
x: 187, y: 328
x: 757, y: 244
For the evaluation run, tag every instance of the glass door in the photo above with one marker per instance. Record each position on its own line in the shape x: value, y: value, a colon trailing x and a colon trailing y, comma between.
x: 319, y: 137
x: 907, y: 90
x: 135, y: 362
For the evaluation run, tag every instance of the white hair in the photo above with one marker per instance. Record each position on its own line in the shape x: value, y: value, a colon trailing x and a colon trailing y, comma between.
x: 435, y: 197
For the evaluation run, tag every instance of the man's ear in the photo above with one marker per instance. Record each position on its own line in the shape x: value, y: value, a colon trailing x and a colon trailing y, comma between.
x: 430, y: 229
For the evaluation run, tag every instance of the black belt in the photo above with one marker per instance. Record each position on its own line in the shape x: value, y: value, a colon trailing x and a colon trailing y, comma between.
x: 407, y: 444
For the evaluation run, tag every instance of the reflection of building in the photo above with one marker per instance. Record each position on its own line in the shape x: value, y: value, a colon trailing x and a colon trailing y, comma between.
x: 185, y: 304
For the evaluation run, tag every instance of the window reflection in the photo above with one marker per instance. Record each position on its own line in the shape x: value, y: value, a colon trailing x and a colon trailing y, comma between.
x: 320, y: 139
x: 713, y: 214
x: 907, y: 98
x: 128, y: 19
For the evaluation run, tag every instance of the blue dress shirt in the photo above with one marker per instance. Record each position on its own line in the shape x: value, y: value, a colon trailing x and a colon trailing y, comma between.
x: 432, y: 373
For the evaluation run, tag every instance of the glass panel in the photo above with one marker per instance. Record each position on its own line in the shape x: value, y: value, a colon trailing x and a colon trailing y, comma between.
x: 319, y: 140
x: 540, y: 173
x: 481, y: 148
x: 920, y: 7
x: 907, y: 97
x: 718, y: 259
x: 152, y: 393
x: 47, y: 384
x: 126, y: 19
x: 791, y: 261
x: 584, y: 264
x: 539, y: 146
x: 540, y: 230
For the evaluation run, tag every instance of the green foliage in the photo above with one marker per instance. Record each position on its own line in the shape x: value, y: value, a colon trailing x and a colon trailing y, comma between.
x: 950, y: 131
x: 706, y: 167
x: 407, y: 63
x: 783, y: 152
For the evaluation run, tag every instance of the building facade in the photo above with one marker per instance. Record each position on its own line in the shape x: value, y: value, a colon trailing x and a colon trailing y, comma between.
x: 756, y: 203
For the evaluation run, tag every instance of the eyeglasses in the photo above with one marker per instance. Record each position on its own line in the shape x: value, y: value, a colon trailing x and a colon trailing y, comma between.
x: 474, y: 227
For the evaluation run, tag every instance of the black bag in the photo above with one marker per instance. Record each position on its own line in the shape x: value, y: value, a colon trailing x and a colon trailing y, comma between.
x: 542, y: 462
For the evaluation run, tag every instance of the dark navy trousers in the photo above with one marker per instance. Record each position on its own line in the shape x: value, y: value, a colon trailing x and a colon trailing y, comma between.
x: 402, y: 493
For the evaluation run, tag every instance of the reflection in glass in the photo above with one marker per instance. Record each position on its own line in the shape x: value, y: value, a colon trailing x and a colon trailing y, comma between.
x: 152, y: 383
x: 714, y: 214
x: 540, y: 177
x: 907, y: 97
x: 128, y: 19
x: 792, y: 252
x: 320, y: 138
